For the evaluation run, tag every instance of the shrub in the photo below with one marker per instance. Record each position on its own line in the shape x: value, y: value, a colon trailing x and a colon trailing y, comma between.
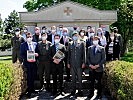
x: 120, y: 79
x: 6, y: 79
x: 13, y: 83
x: 6, y: 43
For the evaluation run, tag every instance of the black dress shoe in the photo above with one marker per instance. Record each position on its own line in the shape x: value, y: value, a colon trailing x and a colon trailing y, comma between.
x: 48, y: 90
x: 61, y: 93
x: 80, y: 93
x: 28, y: 95
x: 68, y: 80
x: 40, y: 90
x: 72, y: 93
x: 54, y: 93
x: 90, y: 96
x: 35, y: 92
x: 99, y: 97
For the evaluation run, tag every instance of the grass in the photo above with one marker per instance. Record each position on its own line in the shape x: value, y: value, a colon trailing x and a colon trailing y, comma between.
x: 128, y: 57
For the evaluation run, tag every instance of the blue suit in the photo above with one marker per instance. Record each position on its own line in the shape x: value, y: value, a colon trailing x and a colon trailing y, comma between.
x: 30, y: 66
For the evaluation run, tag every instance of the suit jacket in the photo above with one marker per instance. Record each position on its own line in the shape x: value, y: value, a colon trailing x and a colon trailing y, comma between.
x: 67, y: 41
x: 23, y: 52
x: 98, y: 58
x: 76, y: 54
x: 53, y: 51
x: 49, y: 38
x: 107, y: 35
x: 36, y: 38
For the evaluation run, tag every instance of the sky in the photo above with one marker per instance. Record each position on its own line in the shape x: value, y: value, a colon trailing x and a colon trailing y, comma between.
x: 7, y: 6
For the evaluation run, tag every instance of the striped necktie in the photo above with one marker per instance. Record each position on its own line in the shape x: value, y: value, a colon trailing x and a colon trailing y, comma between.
x: 56, y: 47
x: 30, y: 48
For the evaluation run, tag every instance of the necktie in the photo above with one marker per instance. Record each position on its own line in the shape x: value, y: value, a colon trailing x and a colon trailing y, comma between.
x: 30, y: 48
x: 94, y: 50
x: 75, y: 43
x: 64, y: 40
x: 56, y: 48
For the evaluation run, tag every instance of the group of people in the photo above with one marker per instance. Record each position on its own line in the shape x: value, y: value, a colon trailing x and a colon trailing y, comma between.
x: 82, y: 49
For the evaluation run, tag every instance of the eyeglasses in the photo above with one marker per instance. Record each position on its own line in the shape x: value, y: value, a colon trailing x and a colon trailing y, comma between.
x: 29, y: 37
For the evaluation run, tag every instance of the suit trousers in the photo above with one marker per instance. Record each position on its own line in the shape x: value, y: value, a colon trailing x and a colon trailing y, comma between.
x: 44, y: 70
x: 93, y: 75
x: 57, y: 72
x: 67, y: 69
x: 31, y: 75
x: 76, y: 75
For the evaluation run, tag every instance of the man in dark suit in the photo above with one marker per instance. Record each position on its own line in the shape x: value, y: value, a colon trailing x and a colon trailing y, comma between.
x: 51, y: 35
x: 76, y: 61
x: 29, y: 64
x: 37, y: 35
x: 57, y: 64
x: 95, y: 59
x: 65, y: 39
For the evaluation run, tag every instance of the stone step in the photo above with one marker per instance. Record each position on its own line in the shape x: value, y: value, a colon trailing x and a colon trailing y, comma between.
x: 44, y: 95
x: 85, y: 82
x: 67, y: 85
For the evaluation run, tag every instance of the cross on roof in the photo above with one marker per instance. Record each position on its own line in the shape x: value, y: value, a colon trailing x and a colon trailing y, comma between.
x: 68, y: 11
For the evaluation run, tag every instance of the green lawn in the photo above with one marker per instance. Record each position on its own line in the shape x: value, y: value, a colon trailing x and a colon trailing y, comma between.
x: 128, y: 57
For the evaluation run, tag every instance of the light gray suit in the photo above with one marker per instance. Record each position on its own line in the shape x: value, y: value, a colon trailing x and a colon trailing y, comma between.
x: 97, y: 58
x: 76, y: 57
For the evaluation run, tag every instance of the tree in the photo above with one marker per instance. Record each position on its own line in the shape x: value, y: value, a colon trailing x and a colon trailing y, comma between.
x: 12, y: 22
x: 33, y: 5
x: 1, y: 25
x: 125, y: 22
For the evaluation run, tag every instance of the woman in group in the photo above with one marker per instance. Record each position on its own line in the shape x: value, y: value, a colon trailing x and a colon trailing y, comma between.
x: 102, y: 38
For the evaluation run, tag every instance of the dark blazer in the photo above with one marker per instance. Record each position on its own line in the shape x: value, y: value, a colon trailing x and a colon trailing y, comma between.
x: 23, y: 51
x: 36, y: 38
x: 107, y: 35
x: 98, y: 58
x: 49, y: 38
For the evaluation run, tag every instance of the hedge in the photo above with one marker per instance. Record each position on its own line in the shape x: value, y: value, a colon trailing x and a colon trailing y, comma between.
x: 119, y: 79
x: 6, y: 79
x: 12, y: 81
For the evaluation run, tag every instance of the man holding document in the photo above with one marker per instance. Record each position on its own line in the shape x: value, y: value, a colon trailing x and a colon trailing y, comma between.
x: 29, y: 52
x: 57, y: 54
